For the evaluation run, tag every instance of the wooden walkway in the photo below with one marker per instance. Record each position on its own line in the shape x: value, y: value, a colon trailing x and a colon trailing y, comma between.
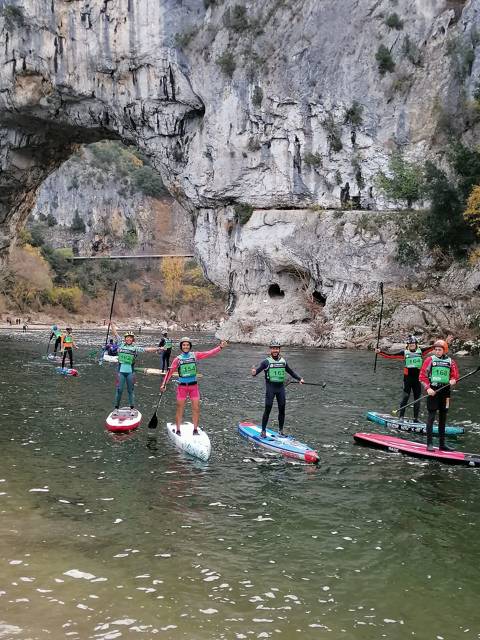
x: 148, y: 256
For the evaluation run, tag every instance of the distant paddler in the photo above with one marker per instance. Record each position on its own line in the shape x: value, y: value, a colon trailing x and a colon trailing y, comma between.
x: 57, y: 334
x: 166, y: 345
x: 276, y: 368
x: 127, y: 353
x: 68, y: 345
x: 187, y: 387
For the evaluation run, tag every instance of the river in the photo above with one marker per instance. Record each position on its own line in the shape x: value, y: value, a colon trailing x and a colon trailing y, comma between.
x: 104, y: 537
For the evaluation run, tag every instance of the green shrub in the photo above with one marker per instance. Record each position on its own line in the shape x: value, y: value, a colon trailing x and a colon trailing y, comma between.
x: 37, y: 231
x: 78, y: 225
x: 254, y: 144
x: 227, y: 64
x: 312, y: 159
x: 130, y: 238
x: 333, y: 133
x: 13, y: 16
x: 236, y: 18
x: 243, y: 212
x: 384, y: 60
x: 147, y: 181
x: 257, y: 96
x: 182, y: 40
x: 405, y: 182
x: 353, y: 115
x: 445, y: 226
x: 51, y: 220
x: 412, y: 52
x: 394, y: 22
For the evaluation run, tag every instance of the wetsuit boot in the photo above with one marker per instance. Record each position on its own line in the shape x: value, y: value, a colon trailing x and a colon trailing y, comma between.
x: 430, y: 433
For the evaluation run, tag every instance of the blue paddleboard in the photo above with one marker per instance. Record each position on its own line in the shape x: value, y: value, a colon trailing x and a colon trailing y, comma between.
x: 285, y: 445
x: 403, y: 424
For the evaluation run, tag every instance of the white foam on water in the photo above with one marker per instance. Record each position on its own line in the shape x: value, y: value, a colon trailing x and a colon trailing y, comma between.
x: 75, y: 573
x: 208, y: 611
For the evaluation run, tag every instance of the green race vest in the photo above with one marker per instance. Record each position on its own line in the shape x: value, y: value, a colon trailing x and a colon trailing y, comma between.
x: 413, y: 359
x: 276, y: 369
x: 168, y: 344
x: 126, y: 354
x: 440, y: 373
x: 58, y: 333
x: 68, y: 340
x: 188, y: 366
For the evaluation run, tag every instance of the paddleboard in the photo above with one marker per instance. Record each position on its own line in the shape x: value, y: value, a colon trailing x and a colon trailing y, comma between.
x: 197, y: 446
x: 285, y: 445
x: 416, y: 449
x: 123, y: 419
x: 403, y: 424
x: 63, y: 371
x: 107, y: 358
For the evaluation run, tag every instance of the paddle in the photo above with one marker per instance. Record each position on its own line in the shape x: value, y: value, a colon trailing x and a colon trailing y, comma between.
x: 154, y: 420
x: 309, y: 384
x: 395, y: 411
x: 379, y: 327
x: 109, y: 323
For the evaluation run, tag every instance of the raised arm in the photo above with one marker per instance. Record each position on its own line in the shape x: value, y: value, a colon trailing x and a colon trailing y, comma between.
x: 170, y: 373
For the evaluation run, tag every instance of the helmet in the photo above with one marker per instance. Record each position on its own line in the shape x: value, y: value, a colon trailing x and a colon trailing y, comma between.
x: 275, y: 343
x: 55, y: 327
x: 129, y: 334
x: 185, y: 339
x: 165, y: 334
x: 68, y: 328
x: 411, y: 340
x: 441, y: 343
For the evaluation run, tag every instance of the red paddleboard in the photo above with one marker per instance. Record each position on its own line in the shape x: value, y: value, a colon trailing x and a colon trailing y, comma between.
x: 399, y: 445
x: 124, y: 419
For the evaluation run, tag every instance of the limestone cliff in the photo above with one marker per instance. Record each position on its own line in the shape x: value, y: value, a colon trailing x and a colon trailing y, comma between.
x: 284, y: 104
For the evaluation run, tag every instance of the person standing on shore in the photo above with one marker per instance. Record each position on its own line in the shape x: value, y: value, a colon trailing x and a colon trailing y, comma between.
x: 68, y: 344
x: 127, y: 353
x: 438, y: 374
x: 187, y: 387
x: 166, y: 345
x: 275, y: 368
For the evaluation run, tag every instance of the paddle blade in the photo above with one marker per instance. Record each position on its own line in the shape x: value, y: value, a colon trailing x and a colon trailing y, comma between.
x: 153, y: 424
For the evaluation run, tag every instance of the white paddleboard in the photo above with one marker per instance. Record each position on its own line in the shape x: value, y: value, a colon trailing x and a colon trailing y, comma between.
x: 123, y: 419
x: 107, y: 358
x: 197, y: 446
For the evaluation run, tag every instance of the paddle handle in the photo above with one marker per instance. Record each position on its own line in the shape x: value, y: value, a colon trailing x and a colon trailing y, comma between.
x: 379, y: 328
x: 111, y: 313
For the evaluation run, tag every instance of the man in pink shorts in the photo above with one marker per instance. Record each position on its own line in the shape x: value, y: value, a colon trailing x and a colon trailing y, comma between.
x: 186, y: 363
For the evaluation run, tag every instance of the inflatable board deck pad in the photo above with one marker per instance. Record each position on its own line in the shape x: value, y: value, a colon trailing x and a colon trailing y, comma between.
x: 285, y: 445
x: 398, y: 445
x: 107, y: 358
x: 195, y: 445
x: 63, y: 371
x: 403, y: 424
x: 124, y: 419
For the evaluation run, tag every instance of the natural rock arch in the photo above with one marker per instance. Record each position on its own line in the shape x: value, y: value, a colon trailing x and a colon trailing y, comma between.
x: 124, y: 84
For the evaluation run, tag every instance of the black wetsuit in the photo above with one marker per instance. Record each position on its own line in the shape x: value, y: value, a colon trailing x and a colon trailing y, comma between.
x: 274, y: 390
x: 165, y: 355
x: 411, y: 381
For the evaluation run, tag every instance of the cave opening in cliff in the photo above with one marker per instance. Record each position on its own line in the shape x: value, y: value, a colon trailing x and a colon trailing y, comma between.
x: 319, y: 298
x: 274, y: 291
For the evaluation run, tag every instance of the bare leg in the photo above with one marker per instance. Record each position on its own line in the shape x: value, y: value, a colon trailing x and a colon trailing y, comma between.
x: 195, y: 413
x: 179, y: 413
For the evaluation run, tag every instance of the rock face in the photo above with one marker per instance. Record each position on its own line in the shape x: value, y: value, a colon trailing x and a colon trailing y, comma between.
x: 93, y: 210
x: 277, y: 105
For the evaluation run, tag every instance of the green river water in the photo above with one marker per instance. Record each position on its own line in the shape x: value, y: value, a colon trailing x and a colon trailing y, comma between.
x: 109, y: 538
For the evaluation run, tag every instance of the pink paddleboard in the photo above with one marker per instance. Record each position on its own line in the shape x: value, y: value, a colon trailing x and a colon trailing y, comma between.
x: 417, y: 449
x: 124, y: 419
